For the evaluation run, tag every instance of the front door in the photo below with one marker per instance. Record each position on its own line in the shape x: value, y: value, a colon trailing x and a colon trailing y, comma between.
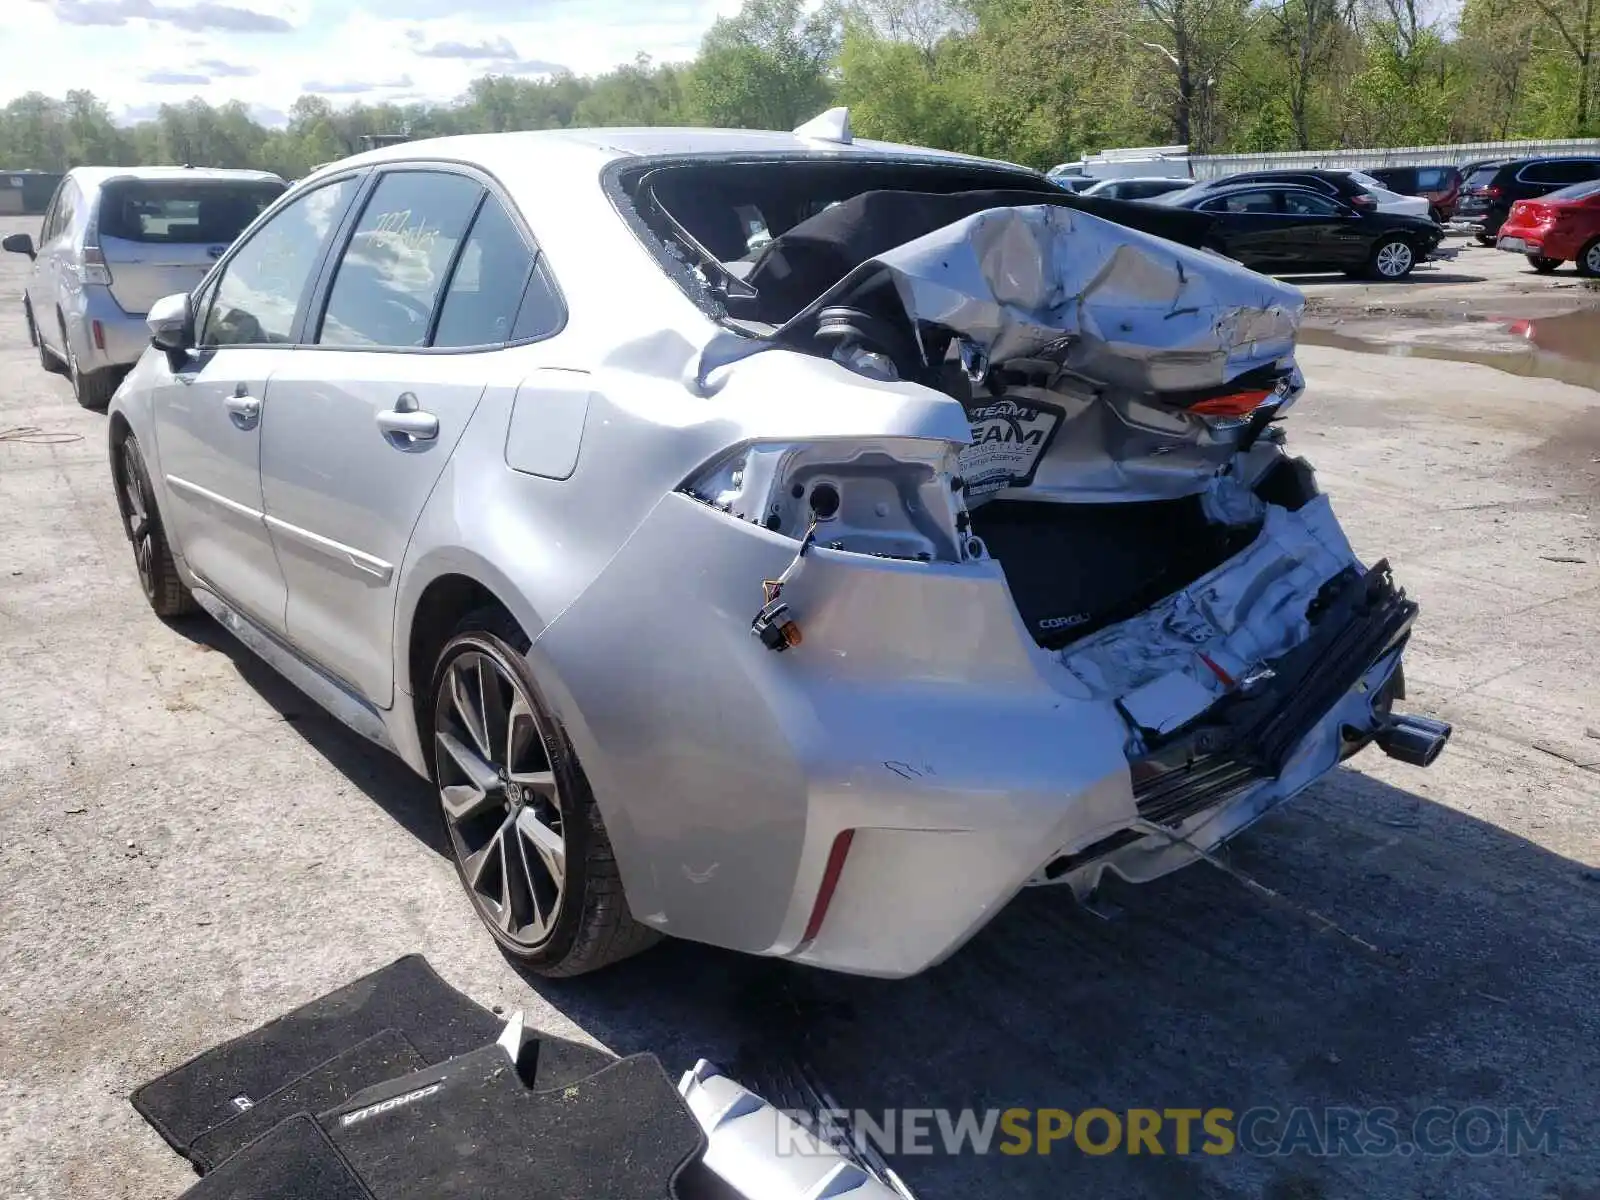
x: 363, y: 423
x: 211, y: 413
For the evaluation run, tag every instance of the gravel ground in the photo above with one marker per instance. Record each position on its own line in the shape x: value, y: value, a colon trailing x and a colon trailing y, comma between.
x: 188, y: 848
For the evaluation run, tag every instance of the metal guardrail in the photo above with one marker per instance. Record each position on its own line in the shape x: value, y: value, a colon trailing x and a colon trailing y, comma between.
x: 1212, y: 166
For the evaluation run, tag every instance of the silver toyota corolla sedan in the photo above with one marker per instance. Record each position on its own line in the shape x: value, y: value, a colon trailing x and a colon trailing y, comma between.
x: 783, y: 541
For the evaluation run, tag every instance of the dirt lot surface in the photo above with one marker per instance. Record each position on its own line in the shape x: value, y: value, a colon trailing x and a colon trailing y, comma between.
x: 188, y: 847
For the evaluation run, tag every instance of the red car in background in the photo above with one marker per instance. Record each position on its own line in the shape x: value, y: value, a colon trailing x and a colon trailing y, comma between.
x: 1563, y: 226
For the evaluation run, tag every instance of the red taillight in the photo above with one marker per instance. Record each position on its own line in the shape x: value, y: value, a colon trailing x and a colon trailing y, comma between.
x: 1364, y: 201
x: 1491, y: 192
x: 1239, y: 404
x: 830, y: 881
x: 95, y: 269
x: 99, y: 335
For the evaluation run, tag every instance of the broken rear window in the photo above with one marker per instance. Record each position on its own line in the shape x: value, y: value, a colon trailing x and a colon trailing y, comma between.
x: 759, y: 239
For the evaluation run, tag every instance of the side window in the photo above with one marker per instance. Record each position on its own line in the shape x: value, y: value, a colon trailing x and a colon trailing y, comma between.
x: 480, y: 306
x: 542, y: 312
x: 1306, y: 204
x: 66, y: 201
x: 394, y: 268
x: 48, y: 229
x: 1250, y: 202
x: 262, y: 286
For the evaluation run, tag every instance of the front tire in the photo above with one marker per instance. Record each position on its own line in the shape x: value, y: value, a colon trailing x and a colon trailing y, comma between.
x: 1393, y: 258
x: 1589, y: 260
x: 521, y: 822
x: 1542, y: 264
x: 141, y: 523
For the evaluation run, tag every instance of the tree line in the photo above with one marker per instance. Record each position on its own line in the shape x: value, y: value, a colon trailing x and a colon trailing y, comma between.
x: 1032, y: 81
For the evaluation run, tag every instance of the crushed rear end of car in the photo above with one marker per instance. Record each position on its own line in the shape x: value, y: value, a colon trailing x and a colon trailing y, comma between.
x: 1048, y: 598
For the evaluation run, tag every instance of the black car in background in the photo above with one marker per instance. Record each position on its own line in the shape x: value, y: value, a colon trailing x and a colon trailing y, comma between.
x: 1491, y: 189
x: 1284, y: 229
x: 1335, y: 183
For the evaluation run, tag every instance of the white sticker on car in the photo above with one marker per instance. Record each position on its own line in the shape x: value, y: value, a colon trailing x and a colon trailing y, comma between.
x: 1008, y: 439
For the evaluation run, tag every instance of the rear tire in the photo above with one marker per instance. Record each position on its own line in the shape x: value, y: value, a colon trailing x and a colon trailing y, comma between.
x: 1485, y: 239
x: 93, y: 389
x: 1393, y: 258
x: 1589, y: 260
x: 518, y: 812
x: 1542, y: 264
x: 141, y: 523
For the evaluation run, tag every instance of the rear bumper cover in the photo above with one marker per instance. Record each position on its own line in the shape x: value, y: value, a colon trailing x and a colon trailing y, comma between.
x: 917, y: 714
x: 123, y: 336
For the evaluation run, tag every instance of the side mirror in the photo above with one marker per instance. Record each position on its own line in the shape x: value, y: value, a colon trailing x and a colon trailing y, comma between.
x: 19, y: 243
x: 171, y: 322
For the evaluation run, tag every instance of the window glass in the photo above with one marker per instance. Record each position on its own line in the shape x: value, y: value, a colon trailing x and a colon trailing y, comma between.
x: 1307, y: 204
x: 541, y: 313
x: 1561, y: 170
x: 1433, y: 179
x: 1482, y: 177
x: 1575, y: 191
x: 65, y: 209
x: 1249, y: 202
x: 262, y: 285
x: 1365, y: 180
x: 395, y: 265
x: 481, y: 305
x: 177, y: 211
x: 48, y: 229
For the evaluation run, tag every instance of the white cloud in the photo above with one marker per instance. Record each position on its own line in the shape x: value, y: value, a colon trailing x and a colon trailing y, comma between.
x: 344, y: 49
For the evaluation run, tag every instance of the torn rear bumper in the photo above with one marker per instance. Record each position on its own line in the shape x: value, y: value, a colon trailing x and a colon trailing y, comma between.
x: 1328, y: 698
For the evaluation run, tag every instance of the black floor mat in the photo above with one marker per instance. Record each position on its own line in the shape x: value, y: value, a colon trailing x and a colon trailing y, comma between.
x: 473, y: 1127
x: 405, y: 999
x: 383, y: 1056
x: 294, y: 1161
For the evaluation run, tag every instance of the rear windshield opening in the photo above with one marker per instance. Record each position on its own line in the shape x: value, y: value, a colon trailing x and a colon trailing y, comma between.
x: 776, y: 234
x: 183, y: 211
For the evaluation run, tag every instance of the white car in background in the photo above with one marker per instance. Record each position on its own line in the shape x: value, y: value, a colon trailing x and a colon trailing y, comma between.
x: 1392, y: 202
x: 114, y: 241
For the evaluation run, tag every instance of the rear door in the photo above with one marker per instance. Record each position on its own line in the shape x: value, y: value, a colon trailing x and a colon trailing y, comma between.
x: 419, y: 307
x: 1327, y: 234
x: 54, y: 259
x: 210, y: 412
x: 1252, y: 229
x: 160, y: 236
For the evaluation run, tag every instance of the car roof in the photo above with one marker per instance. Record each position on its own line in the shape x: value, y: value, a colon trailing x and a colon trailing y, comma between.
x: 1257, y: 184
x: 591, y: 149
x: 97, y: 177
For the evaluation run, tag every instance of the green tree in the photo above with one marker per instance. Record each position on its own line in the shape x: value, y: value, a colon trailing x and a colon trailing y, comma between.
x: 767, y: 67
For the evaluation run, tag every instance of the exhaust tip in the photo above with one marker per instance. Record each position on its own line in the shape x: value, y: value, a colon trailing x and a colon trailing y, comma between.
x: 1412, y: 739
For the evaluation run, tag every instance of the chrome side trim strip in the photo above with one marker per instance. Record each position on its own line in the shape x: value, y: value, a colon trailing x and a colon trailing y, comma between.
x: 359, y: 559
x: 199, y: 493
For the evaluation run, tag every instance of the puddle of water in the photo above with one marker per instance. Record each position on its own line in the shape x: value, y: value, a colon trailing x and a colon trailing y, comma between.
x: 1564, y: 348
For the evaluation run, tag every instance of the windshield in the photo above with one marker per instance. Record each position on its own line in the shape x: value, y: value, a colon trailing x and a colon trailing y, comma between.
x: 183, y: 211
x: 1367, y: 181
x: 1482, y: 177
x: 1577, y: 191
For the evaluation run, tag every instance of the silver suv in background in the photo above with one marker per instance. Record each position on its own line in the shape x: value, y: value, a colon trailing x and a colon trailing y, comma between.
x: 114, y: 241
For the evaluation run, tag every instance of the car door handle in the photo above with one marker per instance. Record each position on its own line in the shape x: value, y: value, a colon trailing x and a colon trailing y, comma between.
x: 243, y: 408
x: 406, y: 423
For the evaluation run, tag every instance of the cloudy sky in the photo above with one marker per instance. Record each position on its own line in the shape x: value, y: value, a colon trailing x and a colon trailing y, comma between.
x: 138, y: 54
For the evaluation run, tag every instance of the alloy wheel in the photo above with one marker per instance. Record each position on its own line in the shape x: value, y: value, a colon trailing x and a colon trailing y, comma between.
x: 136, y: 507
x: 1591, y: 259
x: 502, y: 804
x: 1394, y: 259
